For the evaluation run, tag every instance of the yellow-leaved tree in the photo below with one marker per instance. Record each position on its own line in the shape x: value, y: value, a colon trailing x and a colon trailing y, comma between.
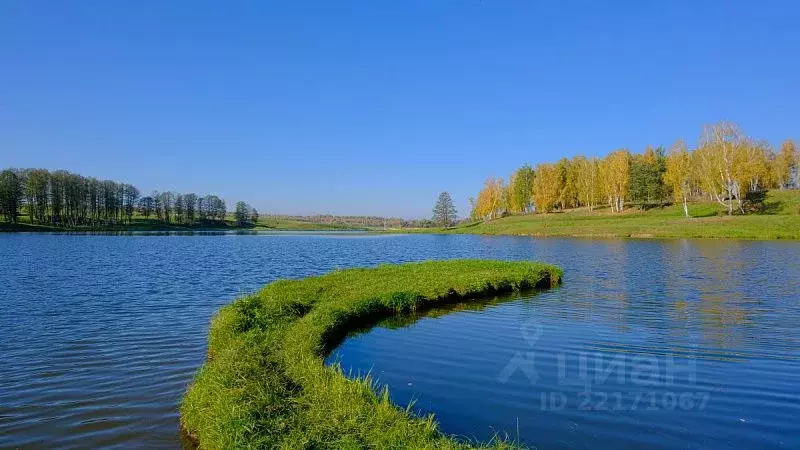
x: 491, y: 199
x: 752, y: 168
x: 568, y: 184
x: 785, y: 166
x: 546, y: 187
x: 679, y: 174
x: 587, y: 180
x: 615, y: 173
x: 715, y: 161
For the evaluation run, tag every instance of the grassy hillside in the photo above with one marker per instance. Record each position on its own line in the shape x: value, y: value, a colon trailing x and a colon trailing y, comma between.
x: 265, y: 385
x: 780, y: 219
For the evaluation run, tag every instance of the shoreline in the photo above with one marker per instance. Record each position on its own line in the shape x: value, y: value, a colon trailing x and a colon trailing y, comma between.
x: 27, y: 228
x: 665, y: 223
x: 600, y: 236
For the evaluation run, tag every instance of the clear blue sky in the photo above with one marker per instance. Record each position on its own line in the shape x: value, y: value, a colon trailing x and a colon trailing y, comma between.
x: 373, y: 107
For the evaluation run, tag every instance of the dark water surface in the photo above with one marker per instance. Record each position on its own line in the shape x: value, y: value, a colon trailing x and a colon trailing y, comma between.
x: 648, y: 343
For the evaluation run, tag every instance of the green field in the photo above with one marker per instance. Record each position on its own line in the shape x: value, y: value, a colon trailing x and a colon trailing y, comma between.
x: 779, y: 219
x: 139, y: 223
x: 264, y: 384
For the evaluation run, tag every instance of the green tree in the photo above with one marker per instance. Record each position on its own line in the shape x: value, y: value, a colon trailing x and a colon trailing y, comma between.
x: 130, y: 197
x: 520, y: 187
x: 190, y: 204
x: 11, y: 190
x: 36, y: 193
x: 241, y: 213
x: 165, y: 201
x: 444, y: 211
x: 146, y: 205
x: 180, y: 209
x: 647, y: 177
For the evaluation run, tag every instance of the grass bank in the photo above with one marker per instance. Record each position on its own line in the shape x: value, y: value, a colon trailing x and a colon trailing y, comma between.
x: 780, y: 219
x: 264, y: 384
x: 148, y: 224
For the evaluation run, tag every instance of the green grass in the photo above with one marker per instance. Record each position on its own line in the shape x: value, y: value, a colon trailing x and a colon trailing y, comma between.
x: 296, y: 225
x: 140, y: 223
x: 780, y: 219
x: 264, y: 384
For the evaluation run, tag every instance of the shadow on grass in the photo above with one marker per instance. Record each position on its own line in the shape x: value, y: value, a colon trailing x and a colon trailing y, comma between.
x: 470, y: 225
x: 770, y: 208
x: 704, y: 213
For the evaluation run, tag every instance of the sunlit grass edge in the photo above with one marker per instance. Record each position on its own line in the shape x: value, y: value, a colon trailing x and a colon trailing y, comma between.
x: 265, y: 385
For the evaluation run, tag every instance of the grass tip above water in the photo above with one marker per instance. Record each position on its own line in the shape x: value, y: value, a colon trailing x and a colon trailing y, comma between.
x: 265, y: 384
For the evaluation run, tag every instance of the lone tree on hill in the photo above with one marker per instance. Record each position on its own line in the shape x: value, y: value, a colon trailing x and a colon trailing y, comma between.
x: 444, y: 213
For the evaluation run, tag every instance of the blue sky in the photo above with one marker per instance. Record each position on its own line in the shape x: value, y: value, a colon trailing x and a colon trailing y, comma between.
x: 373, y: 107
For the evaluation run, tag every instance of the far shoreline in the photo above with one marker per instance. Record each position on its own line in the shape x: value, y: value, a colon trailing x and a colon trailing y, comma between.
x: 779, y: 220
x: 157, y: 227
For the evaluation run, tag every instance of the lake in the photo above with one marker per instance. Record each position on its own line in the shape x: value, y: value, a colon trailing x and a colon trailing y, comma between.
x: 673, y: 344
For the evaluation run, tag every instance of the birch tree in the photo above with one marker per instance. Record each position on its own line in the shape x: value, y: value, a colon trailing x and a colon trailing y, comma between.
x: 715, y: 159
x: 679, y: 174
x: 785, y: 165
x: 490, y: 204
x: 615, y: 173
x: 546, y: 187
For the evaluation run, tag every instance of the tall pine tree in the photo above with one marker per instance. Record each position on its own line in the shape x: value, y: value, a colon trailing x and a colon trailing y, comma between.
x: 444, y: 212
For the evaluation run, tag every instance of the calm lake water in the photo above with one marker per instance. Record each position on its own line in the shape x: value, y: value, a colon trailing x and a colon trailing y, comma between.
x: 648, y: 343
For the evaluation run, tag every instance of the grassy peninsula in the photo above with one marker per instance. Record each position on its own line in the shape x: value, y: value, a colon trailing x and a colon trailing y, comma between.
x: 264, y: 384
x: 778, y: 219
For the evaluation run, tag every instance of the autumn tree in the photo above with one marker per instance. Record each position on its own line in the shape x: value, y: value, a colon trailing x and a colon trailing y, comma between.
x: 715, y: 160
x: 567, y: 184
x: 785, y: 165
x: 678, y: 174
x: 490, y: 202
x: 753, y: 173
x: 753, y: 166
x: 547, y: 187
x: 444, y: 211
x: 587, y: 182
x: 615, y: 173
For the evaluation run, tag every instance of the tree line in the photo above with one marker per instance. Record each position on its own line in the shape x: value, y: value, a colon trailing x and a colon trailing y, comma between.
x: 726, y: 167
x: 64, y: 199
x: 358, y: 221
